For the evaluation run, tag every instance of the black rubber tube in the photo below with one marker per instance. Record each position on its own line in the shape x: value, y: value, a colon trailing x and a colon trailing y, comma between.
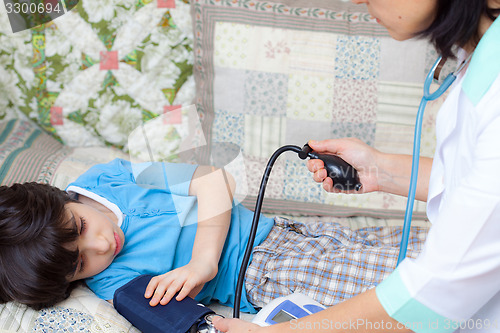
x: 255, y: 222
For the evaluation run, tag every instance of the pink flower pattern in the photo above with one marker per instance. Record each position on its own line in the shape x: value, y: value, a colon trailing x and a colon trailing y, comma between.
x: 273, y: 50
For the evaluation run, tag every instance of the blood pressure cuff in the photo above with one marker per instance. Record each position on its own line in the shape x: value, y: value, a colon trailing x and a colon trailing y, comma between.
x: 175, y: 317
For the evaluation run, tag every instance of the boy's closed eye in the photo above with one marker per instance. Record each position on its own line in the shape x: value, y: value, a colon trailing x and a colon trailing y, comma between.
x: 83, y: 224
x: 79, y: 225
x: 81, y: 261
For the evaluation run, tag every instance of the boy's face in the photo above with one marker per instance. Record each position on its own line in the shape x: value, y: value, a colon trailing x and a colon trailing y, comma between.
x: 99, y: 242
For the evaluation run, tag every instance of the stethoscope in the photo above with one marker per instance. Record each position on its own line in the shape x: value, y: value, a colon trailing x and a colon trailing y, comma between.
x: 344, y: 174
x: 428, y: 96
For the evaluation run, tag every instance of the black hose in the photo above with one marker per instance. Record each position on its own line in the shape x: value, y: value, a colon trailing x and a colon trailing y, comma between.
x: 255, y: 222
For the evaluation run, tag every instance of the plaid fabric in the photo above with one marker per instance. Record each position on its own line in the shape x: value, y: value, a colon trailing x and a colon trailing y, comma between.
x: 326, y: 261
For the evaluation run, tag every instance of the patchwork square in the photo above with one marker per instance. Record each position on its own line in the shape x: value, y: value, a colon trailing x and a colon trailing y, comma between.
x: 354, y: 101
x: 397, y: 136
x: 265, y: 93
x: 56, y: 115
x: 269, y: 49
x: 166, y: 3
x: 310, y: 97
x: 231, y: 44
x: 396, y: 139
x: 298, y: 184
x: 109, y: 60
x: 363, y: 131
x: 398, y: 102
x: 299, y: 132
x: 229, y: 127
x: 409, y: 60
x: 172, y: 114
x: 357, y: 57
x: 263, y: 135
x: 229, y: 83
x: 313, y: 53
x: 255, y: 168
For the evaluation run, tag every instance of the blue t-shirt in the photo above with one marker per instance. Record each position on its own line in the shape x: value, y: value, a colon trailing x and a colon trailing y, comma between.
x: 159, y: 222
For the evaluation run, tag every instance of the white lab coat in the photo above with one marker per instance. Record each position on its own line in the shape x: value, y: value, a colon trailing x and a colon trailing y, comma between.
x: 457, y: 276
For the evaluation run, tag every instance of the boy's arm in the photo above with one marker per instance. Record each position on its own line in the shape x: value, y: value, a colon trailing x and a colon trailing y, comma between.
x: 214, y: 190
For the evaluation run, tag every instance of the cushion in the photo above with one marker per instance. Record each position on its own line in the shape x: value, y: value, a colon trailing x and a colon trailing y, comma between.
x: 29, y: 154
x: 274, y: 73
x: 97, y: 72
x: 82, y: 312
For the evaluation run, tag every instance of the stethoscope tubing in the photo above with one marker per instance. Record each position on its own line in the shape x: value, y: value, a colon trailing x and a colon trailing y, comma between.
x: 428, y: 96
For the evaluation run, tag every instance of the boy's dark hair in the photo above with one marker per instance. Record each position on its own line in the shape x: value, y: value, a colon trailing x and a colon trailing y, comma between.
x: 34, y: 229
x: 457, y: 23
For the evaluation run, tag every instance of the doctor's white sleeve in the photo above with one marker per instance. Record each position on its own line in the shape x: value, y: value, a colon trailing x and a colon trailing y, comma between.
x: 458, y: 271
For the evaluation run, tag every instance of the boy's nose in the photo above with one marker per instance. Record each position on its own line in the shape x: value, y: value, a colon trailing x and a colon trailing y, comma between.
x: 98, y: 244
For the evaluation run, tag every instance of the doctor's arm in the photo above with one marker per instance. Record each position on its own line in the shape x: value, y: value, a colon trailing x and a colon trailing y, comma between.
x: 362, y: 313
x: 378, y: 171
x: 214, y: 190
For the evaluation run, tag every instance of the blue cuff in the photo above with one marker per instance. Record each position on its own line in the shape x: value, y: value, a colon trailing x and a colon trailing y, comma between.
x: 399, y: 304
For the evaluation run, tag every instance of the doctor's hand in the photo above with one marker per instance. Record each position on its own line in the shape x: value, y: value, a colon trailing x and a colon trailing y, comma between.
x: 235, y: 325
x: 187, y: 280
x: 355, y: 152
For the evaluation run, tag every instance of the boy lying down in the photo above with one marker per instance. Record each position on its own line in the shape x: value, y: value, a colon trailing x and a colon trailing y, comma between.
x: 177, y: 222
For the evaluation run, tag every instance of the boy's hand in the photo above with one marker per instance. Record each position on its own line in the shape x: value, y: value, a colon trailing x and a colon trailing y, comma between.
x: 187, y: 280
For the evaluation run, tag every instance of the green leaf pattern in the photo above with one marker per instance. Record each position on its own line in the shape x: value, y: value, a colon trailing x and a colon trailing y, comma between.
x: 57, y: 74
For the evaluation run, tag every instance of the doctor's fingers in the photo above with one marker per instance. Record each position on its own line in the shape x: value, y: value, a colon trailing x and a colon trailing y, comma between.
x: 328, y: 186
x: 329, y: 146
x: 234, y: 325
x: 315, y: 165
x: 320, y: 176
